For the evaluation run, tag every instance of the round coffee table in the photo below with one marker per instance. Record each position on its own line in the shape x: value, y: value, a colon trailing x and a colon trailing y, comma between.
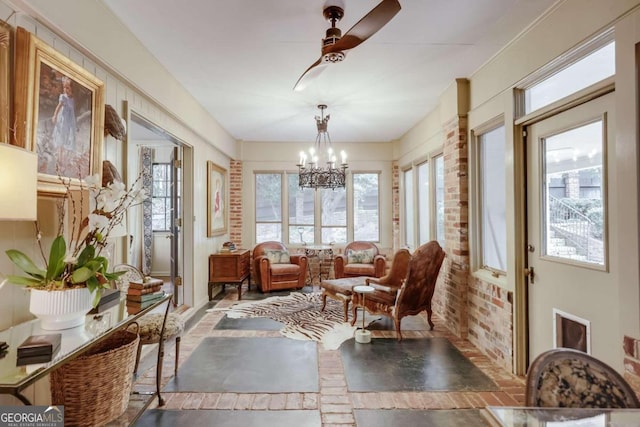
x: 362, y: 335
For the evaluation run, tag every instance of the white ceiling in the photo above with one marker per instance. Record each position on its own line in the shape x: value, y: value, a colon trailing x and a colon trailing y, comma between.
x: 240, y: 59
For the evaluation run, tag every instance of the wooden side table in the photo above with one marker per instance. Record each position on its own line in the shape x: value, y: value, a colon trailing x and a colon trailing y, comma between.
x: 229, y: 268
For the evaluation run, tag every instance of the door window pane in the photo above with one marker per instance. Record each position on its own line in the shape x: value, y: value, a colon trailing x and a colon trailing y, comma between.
x: 334, y: 215
x: 439, y: 195
x: 574, y: 193
x: 301, y: 212
x: 161, y: 197
x: 423, y: 203
x: 409, y: 238
x: 493, y: 203
x: 268, y: 207
x: 366, y: 223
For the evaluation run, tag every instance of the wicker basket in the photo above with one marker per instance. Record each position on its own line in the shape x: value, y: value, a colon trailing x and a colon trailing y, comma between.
x: 95, y: 388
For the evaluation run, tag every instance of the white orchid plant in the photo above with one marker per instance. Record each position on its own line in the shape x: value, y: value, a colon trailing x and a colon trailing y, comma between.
x: 80, y: 264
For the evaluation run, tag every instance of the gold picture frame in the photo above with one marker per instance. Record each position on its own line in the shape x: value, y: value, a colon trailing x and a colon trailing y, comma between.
x: 59, y: 114
x: 5, y: 54
x: 217, y: 212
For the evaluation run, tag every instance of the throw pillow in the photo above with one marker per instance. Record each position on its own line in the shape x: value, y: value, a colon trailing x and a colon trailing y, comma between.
x: 278, y: 256
x: 364, y: 256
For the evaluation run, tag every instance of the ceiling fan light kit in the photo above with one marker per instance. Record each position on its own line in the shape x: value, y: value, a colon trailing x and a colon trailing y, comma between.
x: 310, y: 173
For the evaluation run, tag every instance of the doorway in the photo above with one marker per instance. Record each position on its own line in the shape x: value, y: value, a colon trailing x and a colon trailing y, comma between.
x: 567, y: 215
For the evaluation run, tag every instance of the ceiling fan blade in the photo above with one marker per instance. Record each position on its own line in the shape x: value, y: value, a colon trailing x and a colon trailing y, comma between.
x: 311, y: 73
x: 370, y: 24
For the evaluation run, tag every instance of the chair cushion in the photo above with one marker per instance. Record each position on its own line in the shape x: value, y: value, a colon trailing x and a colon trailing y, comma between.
x: 284, y: 269
x: 151, y: 325
x: 277, y: 256
x: 364, y: 256
x: 360, y: 269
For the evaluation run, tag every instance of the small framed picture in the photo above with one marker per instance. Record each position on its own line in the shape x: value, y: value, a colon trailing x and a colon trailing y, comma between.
x: 217, y: 212
x: 59, y: 113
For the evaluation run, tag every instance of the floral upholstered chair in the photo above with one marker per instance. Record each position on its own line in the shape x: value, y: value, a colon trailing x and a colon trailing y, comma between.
x: 360, y: 259
x: 569, y: 378
x: 275, y: 268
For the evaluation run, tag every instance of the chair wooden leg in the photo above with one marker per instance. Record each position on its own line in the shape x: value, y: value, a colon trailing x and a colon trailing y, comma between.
x: 429, y: 313
x: 178, y: 338
x: 354, y: 309
x: 160, y: 362
x: 135, y: 370
x: 324, y: 301
x: 346, y: 310
x: 398, y: 331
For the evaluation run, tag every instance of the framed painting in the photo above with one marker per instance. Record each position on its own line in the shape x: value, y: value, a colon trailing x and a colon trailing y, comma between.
x: 59, y: 113
x: 5, y: 36
x: 217, y: 212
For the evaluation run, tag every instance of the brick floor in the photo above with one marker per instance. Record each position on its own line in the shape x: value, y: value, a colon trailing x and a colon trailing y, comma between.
x: 334, y: 401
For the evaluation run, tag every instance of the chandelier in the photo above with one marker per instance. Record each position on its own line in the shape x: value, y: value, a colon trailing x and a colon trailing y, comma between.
x: 310, y: 173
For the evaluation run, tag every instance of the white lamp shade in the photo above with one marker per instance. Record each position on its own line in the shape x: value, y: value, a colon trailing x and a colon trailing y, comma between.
x: 18, y: 183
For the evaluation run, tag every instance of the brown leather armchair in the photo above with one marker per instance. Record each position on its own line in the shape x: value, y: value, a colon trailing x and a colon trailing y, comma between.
x: 346, y: 265
x: 398, y: 295
x: 276, y: 269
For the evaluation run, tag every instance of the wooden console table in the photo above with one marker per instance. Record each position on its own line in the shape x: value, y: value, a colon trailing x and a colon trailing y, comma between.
x: 229, y: 268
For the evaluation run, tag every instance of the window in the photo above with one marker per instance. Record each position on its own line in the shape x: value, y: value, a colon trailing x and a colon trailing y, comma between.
x: 589, y: 69
x: 161, y: 197
x: 366, y: 221
x: 301, y: 212
x: 268, y: 207
x: 424, y: 207
x: 409, y: 216
x: 439, y: 198
x: 492, y: 179
x: 334, y: 215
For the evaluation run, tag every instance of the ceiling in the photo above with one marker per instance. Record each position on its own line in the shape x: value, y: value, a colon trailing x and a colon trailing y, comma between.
x: 240, y: 59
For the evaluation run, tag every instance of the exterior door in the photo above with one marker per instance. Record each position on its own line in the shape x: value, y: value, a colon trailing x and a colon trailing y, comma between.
x: 570, y: 277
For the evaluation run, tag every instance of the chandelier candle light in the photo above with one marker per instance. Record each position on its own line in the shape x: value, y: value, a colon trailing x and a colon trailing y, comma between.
x: 310, y: 173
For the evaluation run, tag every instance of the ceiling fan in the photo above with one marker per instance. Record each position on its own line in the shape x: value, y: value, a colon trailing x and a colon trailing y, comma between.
x: 334, y: 45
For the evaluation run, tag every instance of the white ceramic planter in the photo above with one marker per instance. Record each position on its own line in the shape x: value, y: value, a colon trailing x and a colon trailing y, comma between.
x: 62, y: 309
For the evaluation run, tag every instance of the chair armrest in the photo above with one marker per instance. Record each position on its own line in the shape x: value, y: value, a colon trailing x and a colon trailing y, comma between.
x: 297, y: 259
x: 339, y: 262
x: 380, y: 265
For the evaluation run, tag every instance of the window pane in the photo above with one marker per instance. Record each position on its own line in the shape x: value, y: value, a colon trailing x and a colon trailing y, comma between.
x: 366, y: 223
x: 301, y: 211
x: 160, y: 197
x: 423, y: 203
x: 591, y: 69
x: 268, y: 231
x: 574, y: 220
x: 408, y: 209
x: 334, y: 215
x: 493, y: 204
x: 268, y: 197
x: 440, y: 230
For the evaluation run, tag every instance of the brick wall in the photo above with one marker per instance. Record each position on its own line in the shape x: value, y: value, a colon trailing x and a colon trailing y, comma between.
x: 235, y: 201
x: 395, y: 197
x: 450, y: 301
x: 491, y: 321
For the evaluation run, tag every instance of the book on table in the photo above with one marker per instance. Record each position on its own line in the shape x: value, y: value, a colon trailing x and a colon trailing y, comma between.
x: 150, y: 290
x: 146, y: 283
x: 145, y: 297
x: 39, y: 345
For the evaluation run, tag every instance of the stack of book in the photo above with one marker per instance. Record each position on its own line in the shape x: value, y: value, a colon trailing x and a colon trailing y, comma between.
x: 143, y: 293
x: 227, y: 247
x: 38, y: 349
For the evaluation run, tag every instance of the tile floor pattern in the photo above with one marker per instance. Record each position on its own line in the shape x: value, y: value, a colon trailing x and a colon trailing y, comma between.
x: 337, y: 405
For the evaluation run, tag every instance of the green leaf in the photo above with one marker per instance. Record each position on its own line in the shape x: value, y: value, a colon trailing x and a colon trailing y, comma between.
x: 82, y: 274
x: 25, y: 264
x: 86, y: 255
x: 56, y: 258
x: 23, y: 281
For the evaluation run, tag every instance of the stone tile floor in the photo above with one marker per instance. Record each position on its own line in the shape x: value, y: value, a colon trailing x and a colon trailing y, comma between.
x: 335, y: 403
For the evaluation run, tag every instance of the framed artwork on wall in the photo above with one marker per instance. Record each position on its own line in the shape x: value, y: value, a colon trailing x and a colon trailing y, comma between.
x: 217, y: 212
x: 59, y: 113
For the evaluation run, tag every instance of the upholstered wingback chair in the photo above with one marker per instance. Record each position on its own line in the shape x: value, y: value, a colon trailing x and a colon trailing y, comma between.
x: 569, y: 378
x: 397, y: 295
x: 359, y: 259
x: 275, y: 268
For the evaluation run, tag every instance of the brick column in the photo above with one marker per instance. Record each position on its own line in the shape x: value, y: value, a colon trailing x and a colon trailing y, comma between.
x: 235, y: 201
x: 451, y: 301
x: 395, y: 207
x: 632, y: 362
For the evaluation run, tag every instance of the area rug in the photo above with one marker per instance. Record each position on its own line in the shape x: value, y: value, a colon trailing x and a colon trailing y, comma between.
x: 301, y: 316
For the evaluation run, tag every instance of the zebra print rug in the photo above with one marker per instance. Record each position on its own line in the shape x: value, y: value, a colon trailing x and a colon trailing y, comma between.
x: 300, y: 313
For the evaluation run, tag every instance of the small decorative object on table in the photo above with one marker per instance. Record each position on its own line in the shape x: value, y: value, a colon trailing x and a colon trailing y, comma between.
x: 38, y: 349
x: 228, y: 247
